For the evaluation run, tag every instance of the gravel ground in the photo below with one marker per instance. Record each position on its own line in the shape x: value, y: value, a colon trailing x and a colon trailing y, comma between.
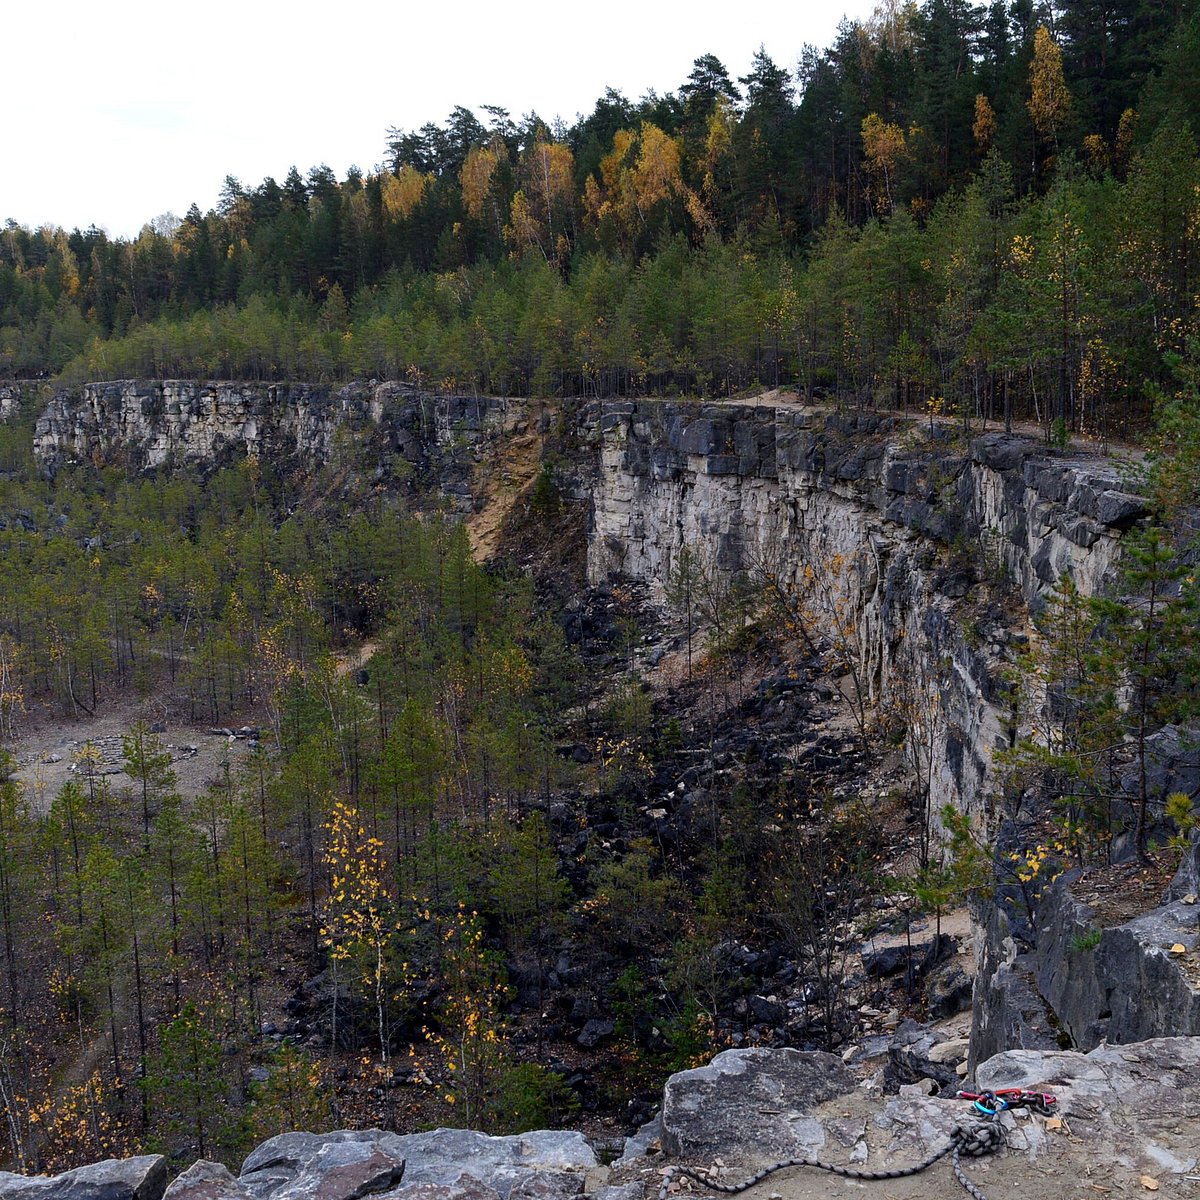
x: 47, y: 751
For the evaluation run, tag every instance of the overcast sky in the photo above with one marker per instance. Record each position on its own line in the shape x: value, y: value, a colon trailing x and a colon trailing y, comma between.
x: 115, y: 112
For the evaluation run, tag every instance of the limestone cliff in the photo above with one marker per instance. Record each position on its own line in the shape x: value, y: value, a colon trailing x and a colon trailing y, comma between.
x: 929, y: 549
x: 898, y: 525
x: 11, y: 398
x: 157, y: 423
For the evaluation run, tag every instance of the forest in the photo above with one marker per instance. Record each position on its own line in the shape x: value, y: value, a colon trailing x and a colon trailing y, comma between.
x: 993, y: 207
x: 464, y: 830
x: 399, y: 905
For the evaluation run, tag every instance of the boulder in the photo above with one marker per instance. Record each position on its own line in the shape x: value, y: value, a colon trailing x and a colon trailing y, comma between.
x: 595, y: 1031
x: 767, y: 1011
x: 640, y: 1144
x: 948, y: 990
x: 141, y: 1178
x: 206, y: 1180
x: 444, y: 1164
x: 1120, y: 510
x: 911, y: 1059
x: 888, y: 960
x: 999, y: 451
x: 1136, y: 1105
x: 323, y: 1167
x: 751, y: 1106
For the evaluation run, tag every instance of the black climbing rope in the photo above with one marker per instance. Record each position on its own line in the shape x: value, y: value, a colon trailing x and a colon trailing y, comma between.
x: 973, y: 1141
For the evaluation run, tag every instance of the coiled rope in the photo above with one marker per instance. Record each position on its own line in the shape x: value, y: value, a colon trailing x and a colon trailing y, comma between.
x: 972, y: 1141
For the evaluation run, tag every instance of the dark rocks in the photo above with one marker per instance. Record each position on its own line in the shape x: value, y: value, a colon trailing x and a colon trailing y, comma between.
x: 768, y: 1012
x: 707, y: 1111
x: 1081, y: 531
x: 954, y: 583
x: 1009, y: 1012
x: 948, y: 991
x: 1120, y: 510
x: 722, y: 464
x: 886, y: 961
x: 909, y: 1059
x: 889, y: 960
x: 999, y: 451
x: 594, y: 1032
x: 142, y: 1178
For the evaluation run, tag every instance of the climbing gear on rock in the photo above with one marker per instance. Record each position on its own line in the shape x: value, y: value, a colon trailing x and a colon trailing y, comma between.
x: 990, y: 1103
x: 973, y: 1141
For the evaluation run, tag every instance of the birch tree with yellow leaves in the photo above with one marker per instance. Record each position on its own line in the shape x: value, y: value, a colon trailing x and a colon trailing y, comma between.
x: 542, y: 211
x: 1049, y: 101
x: 639, y: 180
x: 359, y: 922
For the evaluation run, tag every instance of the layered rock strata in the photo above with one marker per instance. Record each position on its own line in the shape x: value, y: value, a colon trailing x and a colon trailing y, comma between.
x: 884, y: 527
x: 887, y: 528
x: 174, y: 422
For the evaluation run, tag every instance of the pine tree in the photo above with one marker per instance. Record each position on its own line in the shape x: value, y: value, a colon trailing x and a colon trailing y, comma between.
x: 147, y: 762
x: 185, y: 1081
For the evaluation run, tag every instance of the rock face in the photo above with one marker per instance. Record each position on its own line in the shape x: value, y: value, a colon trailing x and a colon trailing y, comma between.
x: 899, y: 527
x: 751, y: 1105
x: 889, y: 525
x: 143, y: 1178
x: 1124, y: 985
x: 1078, y: 979
x: 11, y: 398
x: 159, y: 423
x: 888, y: 529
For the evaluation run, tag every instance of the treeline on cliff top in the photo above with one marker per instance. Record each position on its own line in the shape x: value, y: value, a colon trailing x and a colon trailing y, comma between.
x: 994, y: 205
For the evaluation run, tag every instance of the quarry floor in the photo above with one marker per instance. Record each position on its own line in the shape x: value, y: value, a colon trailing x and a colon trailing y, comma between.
x: 46, y: 751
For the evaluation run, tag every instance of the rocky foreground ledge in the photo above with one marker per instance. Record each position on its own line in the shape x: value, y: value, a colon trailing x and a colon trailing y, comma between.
x: 1127, y: 1122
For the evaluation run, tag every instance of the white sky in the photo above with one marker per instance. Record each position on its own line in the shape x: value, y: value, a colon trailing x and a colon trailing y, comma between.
x: 113, y: 111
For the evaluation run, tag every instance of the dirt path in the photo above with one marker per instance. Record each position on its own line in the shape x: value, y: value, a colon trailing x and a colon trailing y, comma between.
x: 1078, y: 443
x: 355, y: 660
